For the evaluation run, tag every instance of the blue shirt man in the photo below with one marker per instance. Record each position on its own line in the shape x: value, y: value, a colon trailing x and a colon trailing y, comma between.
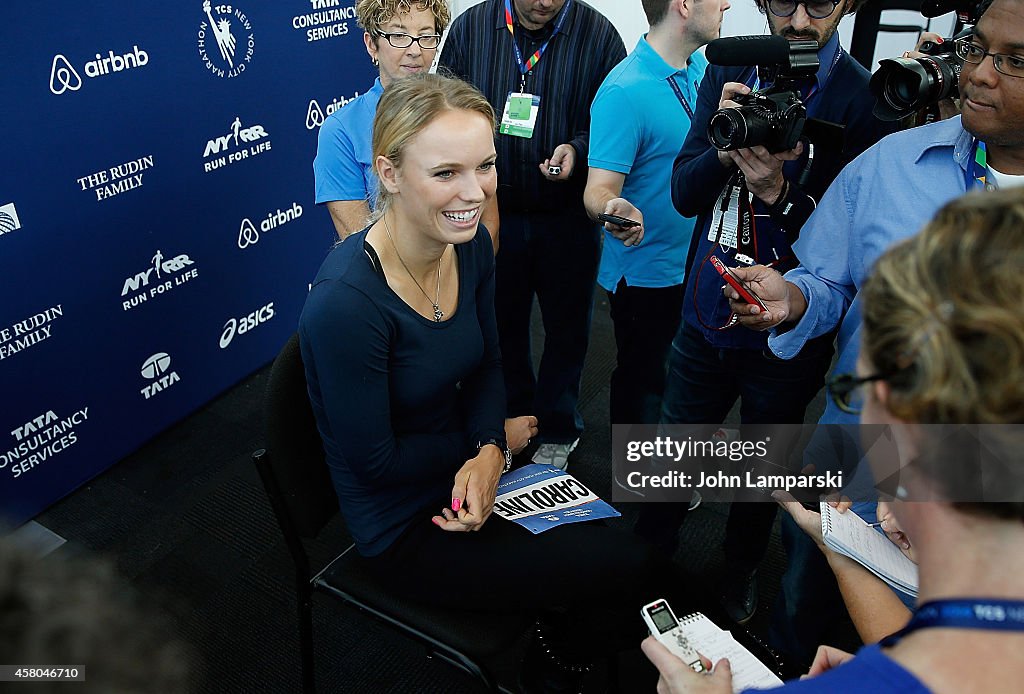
x: 884, y: 196
x: 639, y: 118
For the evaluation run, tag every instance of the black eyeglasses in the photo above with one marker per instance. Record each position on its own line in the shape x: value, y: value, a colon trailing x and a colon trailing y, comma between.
x: 427, y: 42
x: 816, y: 9
x: 1010, y: 65
x: 847, y: 393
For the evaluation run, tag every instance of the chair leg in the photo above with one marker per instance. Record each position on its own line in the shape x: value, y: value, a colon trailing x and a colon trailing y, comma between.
x: 304, y: 597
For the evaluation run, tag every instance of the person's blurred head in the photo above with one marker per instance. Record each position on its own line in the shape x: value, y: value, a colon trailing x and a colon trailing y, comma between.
x: 433, y: 149
x: 992, y: 102
x: 402, y: 36
x: 534, y: 14
x: 815, y: 19
x: 68, y: 610
x: 944, y: 340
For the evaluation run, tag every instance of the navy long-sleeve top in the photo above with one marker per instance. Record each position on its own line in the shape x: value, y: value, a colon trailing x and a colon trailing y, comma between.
x: 401, y: 401
x: 839, y: 94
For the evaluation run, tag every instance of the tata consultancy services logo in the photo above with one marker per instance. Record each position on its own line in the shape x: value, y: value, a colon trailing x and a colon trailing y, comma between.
x: 157, y: 369
x: 64, y: 77
x: 9, y: 219
x: 226, y: 41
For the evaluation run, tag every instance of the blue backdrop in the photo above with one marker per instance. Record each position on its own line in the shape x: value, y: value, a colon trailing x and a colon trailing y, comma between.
x: 157, y: 227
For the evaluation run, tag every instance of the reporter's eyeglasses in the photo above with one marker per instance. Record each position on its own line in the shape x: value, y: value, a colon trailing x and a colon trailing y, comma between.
x: 1009, y: 65
x: 847, y: 390
x: 816, y: 9
x: 427, y: 42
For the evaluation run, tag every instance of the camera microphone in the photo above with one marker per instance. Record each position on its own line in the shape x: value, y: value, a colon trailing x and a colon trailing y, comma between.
x: 748, y: 50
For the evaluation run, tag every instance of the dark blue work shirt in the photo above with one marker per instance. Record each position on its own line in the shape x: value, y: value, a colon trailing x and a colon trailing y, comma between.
x: 838, y: 94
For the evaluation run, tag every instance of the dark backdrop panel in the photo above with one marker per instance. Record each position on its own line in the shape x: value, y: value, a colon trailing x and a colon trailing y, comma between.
x: 157, y: 227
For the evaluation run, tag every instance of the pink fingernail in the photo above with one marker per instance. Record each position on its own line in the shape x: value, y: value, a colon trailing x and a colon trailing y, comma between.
x: 456, y: 504
x: 435, y: 522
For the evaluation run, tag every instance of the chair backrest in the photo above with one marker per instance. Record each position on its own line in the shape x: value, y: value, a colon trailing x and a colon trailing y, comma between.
x: 294, y: 449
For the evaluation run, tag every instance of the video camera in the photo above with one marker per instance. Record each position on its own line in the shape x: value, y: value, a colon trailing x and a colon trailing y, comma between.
x: 773, y: 117
x: 903, y: 86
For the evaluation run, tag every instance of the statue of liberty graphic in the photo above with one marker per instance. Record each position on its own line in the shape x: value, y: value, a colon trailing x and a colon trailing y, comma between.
x: 222, y: 33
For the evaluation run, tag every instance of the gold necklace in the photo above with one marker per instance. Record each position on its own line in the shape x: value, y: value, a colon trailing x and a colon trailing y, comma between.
x: 438, y: 313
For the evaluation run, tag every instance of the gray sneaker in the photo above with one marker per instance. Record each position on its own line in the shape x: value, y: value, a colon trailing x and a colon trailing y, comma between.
x: 556, y: 454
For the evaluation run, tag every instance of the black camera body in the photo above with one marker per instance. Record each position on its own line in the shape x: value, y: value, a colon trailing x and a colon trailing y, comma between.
x: 902, y: 86
x: 773, y: 117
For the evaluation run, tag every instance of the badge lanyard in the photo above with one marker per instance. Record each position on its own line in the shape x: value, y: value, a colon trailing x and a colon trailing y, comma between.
x: 976, y: 176
x: 979, y: 613
x: 526, y: 66
x: 681, y: 97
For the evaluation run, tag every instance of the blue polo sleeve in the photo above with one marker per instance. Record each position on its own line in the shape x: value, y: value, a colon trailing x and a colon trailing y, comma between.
x: 614, y: 129
x: 336, y: 169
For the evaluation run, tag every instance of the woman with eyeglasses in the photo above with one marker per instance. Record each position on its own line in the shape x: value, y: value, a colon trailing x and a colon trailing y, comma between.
x: 941, y: 365
x: 402, y: 38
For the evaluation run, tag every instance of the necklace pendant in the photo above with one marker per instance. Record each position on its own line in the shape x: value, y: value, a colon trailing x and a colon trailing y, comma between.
x: 438, y: 314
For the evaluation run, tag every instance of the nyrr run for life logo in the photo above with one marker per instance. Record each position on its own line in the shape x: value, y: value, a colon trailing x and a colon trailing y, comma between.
x: 226, y: 40
x: 240, y: 143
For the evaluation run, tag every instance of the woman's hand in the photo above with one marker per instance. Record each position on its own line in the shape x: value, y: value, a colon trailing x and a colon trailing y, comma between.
x: 473, y: 494
x: 809, y: 521
x: 827, y: 658
x: 678, y: 678
x: 519, y: 431
x: 893, y: 531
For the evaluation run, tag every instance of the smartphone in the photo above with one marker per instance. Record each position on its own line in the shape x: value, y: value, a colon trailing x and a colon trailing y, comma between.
x: 620, y: 221
x: 664, y: 626
x: 734, y: 282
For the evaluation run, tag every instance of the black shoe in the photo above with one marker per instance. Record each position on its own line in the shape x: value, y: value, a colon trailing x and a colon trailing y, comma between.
x: 739, y: 600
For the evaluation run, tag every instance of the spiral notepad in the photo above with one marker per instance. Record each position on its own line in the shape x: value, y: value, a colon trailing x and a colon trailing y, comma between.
x: 849, y: 535
x: 713, y: 643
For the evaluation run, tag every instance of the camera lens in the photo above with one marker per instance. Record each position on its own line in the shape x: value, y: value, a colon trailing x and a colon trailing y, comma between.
x: 727, y: 129
x: 903, y: 85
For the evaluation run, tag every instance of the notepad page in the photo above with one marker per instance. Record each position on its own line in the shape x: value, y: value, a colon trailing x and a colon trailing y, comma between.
x: 848, y: 534
x: 747, y: 671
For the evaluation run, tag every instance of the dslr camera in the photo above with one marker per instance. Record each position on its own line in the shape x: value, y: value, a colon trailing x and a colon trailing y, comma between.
x: 903, y: 86
x: 773, y: 117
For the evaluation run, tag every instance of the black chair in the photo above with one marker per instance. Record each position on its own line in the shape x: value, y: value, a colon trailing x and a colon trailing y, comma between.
x: 295, y: 475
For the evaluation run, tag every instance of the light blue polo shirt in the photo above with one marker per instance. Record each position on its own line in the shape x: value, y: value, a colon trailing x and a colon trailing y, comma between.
x: 343, y: 167
x: 637, y: 128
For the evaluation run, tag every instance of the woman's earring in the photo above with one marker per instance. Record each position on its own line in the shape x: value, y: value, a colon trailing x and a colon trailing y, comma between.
x: 376, y: 62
